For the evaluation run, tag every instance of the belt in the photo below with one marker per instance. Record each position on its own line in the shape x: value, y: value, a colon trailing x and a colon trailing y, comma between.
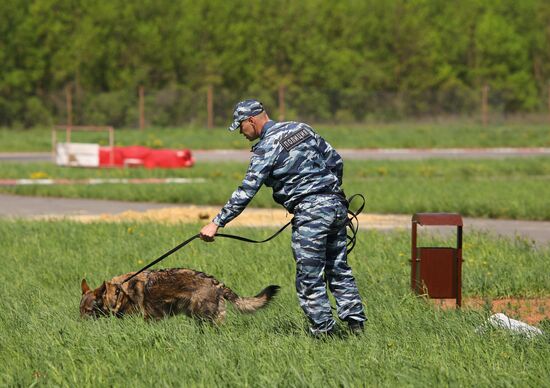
x: 340, y: 195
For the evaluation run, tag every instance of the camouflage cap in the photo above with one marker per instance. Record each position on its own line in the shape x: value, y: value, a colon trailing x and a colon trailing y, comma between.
x: 244, y: 110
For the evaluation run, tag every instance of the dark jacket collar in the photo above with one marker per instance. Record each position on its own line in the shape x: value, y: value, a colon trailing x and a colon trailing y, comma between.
x: 267, y: 126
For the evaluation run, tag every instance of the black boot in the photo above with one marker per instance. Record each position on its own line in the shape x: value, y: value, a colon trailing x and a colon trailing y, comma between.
x: 356, y: 327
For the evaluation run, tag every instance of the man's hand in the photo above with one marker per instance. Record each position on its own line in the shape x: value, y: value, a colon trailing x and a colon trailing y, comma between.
x: 208, y: 232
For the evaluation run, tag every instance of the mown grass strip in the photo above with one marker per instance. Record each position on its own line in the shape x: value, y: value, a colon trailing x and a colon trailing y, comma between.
x: 396, y: 135
x: 407, y: 342
x: 512, y: 188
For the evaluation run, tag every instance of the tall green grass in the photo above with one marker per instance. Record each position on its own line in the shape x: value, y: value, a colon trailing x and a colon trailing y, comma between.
x: 397, y: 135
x: 512, y: 188
x: 407, y: 342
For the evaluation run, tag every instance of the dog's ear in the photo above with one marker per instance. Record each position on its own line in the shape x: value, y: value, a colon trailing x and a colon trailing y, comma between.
x: 84, y: 286
x: 101, y: 290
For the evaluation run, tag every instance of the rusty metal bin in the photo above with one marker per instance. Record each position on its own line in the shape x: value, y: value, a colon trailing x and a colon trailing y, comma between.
x: 437, y: 271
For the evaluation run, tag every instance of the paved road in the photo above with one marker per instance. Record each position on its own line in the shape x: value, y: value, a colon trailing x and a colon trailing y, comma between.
x: 395, y: 153
x: 25, y: 157
x: 348, y: 154
x: 22, y: 206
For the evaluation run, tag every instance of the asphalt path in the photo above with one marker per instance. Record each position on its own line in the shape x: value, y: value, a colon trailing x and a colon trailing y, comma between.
x: 347, y: 154
x: 13, y: 206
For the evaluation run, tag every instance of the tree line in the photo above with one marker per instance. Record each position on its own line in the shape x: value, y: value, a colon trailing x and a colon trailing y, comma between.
x: 335, y: 59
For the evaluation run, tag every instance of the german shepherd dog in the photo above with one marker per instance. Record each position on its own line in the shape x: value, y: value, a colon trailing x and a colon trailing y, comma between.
x: 160, y: 293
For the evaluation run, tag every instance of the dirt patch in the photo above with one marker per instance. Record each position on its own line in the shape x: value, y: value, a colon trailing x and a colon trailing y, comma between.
x: 530, y: 310
x: 250, y: 217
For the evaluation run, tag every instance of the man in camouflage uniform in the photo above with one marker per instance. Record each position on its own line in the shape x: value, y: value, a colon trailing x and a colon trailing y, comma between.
x: 305, y: 173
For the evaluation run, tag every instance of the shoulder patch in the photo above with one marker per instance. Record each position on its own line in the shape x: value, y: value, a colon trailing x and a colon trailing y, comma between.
x: 292, y: 140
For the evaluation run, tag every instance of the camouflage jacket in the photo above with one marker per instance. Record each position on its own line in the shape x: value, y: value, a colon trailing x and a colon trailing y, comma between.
x: 291, y: 159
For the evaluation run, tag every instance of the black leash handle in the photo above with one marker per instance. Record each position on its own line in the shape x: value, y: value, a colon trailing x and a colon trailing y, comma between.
x: 353, y: 222
x: 350, y: 245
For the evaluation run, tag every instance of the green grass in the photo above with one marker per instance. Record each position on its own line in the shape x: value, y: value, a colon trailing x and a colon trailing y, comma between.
x: 43, y: 340
x: 512, y: 188
x: 399, y: 135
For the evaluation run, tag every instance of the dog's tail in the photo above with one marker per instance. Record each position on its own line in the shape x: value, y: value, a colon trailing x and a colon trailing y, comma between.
x: 251, y: 304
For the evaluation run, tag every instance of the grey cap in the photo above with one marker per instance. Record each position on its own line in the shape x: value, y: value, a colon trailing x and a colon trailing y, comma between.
x: 244, y: 110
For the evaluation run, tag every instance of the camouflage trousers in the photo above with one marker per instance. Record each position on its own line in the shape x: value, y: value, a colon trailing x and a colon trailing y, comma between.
x: 319, y: 247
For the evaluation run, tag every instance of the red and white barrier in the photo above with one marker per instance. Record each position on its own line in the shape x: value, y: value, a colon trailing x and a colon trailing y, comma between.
x: 91, y: 155
x: 142, y: 156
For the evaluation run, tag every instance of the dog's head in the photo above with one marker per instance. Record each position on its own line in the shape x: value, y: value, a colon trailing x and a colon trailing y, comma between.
x: 91, y: 303
x: 109, y: 298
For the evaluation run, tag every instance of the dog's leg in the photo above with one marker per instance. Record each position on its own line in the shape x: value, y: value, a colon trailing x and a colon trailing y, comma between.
x: 138, y: 297
x: 220, y: 316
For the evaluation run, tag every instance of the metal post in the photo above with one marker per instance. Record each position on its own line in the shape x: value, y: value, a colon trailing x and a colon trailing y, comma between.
x: 459, y: 266
x: 112, y: 145
x: 414, y: 256
x: 210, y: 106
x: 141, y: 108
x: 282, y: 103
x: 485, y: 105
x: 69, y: 99
x: 54, y: 146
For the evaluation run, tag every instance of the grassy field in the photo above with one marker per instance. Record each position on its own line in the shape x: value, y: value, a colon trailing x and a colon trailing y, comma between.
x: 513, y: 188
x: 399, y: 135
x: 408, y: 342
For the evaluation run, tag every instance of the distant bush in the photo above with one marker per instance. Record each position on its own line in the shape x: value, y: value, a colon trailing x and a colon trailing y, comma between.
x: 112, y: 108
x: 36, y: 113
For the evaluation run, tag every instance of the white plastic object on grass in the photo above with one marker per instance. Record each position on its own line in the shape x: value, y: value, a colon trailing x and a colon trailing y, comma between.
x: 502, y: 321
